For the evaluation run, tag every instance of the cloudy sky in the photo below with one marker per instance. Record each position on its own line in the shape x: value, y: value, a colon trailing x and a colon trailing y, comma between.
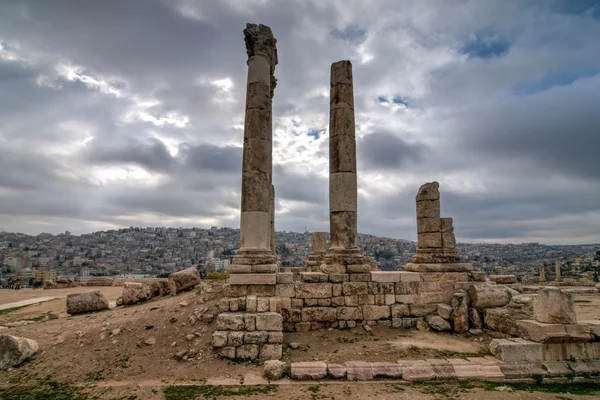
x: 130, y: 112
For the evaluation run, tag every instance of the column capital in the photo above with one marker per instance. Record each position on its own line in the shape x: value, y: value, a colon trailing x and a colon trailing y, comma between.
x: 260, y: 41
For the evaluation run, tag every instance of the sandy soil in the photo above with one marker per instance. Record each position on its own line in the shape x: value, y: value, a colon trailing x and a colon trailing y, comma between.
x: 587, y: 306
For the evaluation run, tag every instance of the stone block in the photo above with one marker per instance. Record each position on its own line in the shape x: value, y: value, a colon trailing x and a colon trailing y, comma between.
x: 359, y: 371
x: 302, y: 326
x: 292, y: 315
x: 359, y: 269
x: 230, y: 322
x: 247, y: 352
x: 444, y: 311
x: 225, y: 352
x: 275, y: 304
x: 488, y: 296
x: 269, y: 322
x: 219, y: 339
x: 297, y: 303
x: 442, y: 369
x: 381, y: 288
x: 399, y: 310
x: 406, y: 276
x: 351, y: 301
x: 265, y: 269
x: 366, y: 299
x: 416, y: 370
x: 344, y: 186
x: 420, y: 310
x: 342, y: 153
x: 284, y: 277
x: 438, y: 323
x: 517, y: 350
x: 313, y: 290
x: 355, y: 288
x: 311, y: 302
x: 275, y: 338
x: 336, y: 289
x: 252, y: 279
x: 429, y: 240
x: 385, y: 276
x: 541, y: 332
x: 235, y: 339
x: 251, y: 304
x: 336, y: 371
x: 435, y: 297
x: 360, y: 277
x: 338, y: 301
x: 552, y: 306
x: 466, y: 370
x: 255, y: 337
x: 262, y: 304
x: 313, y: 277
x: 343, y: 228
x: 460, y: 312
x: 386, y: 370
x: 374, y: 313
x: 250, y: 322
x: 324, y: 302
x: 235, y: 290
x: 578, y: 333
x: 429, y: 225
x: 239, y: 269
x: 309, y: 370
x: 438, y: 267
x: 285, y: 290
x: 594, y: 327
x: 338, y: 277
x: 403, y: 288
x: 271, y: 352
x: 349, y: 313
x: 444, y: 277
x: 409, y: 323
x: 428, y: 209
x: 389, y: 299
x: 405, y: 298
x: 319, y: 314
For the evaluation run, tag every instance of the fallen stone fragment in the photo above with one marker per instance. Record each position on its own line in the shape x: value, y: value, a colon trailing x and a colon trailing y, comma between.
x: 274, y: 369
x: 309, y: 370
x: 336, y: 371
x: 182, y: 280
x: 552, y: 306
x: 359, y: 371
x: 53, y: 314
x: 134, y: 292
x: 15, y: 350
x: 438, y: 323
x: 78, y: 303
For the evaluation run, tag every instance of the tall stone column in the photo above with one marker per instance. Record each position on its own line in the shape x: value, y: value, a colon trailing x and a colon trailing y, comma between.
x: 272, y: 242
x: 557, y: 270
x: 542, y: 270
x: 343, y: 249
x: 255, y: 255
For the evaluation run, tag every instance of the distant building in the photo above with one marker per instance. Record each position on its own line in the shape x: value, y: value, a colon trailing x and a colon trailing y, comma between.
x: 44, y: 276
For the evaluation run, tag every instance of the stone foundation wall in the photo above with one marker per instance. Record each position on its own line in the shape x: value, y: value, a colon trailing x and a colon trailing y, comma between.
x: 398, y: 299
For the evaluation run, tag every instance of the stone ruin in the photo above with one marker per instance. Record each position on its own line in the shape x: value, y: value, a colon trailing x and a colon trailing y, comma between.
x: 341, y: 288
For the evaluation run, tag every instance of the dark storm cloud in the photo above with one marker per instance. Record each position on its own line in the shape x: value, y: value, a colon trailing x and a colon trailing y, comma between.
x: 152, y: 155
x: 386, y: 150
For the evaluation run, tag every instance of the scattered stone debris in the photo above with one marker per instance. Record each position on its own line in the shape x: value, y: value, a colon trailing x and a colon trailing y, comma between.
x: 274, y: 369
x: 78, y: 303
x: 53, y: 314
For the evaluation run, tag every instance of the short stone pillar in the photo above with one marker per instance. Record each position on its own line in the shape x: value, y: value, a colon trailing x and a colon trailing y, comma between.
x: 542, y: 270
x: 436, y: 243
x: 557, y: 271
x: 256, y: 262
x: 317, y: 252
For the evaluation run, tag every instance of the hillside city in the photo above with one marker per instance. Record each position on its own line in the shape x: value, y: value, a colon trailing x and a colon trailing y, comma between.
x: 158, y: 251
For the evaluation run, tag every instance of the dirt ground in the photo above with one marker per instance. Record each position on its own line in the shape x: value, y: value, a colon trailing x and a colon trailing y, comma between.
x: 132, y: 350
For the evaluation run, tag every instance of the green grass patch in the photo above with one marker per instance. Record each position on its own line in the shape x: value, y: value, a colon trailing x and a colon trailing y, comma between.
x: 45, y: 390
x: 583, y: 301
x: 9, y: 310
x: 448, y: 390
x: 582, y: 389
x: 214, y: 392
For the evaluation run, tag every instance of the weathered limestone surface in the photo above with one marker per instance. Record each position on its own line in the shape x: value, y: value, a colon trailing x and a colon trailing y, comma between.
x: 308, y: 370
x: 78, y: 303
x: 557, y: 271
x: 488, y: 296
x: 542, y: 269
x: 15, y: 350
x: 504, y: 319
x: 503, y: 279
x: 317, y: 253
x: 184, y: 279
x: 460, y: 311
x: 553, y: 306
x: 134, y: 292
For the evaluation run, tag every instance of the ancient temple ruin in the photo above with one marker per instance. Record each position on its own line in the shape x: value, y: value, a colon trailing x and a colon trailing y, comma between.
x: 339, y: 287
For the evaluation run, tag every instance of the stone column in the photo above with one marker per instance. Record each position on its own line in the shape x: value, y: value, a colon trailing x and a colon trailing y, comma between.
x: 342, y: 160
x: 317, y: 252
x: 542, y: 272
x: 272, y: 220
x: 256, y: 255
x: 557, y: 270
